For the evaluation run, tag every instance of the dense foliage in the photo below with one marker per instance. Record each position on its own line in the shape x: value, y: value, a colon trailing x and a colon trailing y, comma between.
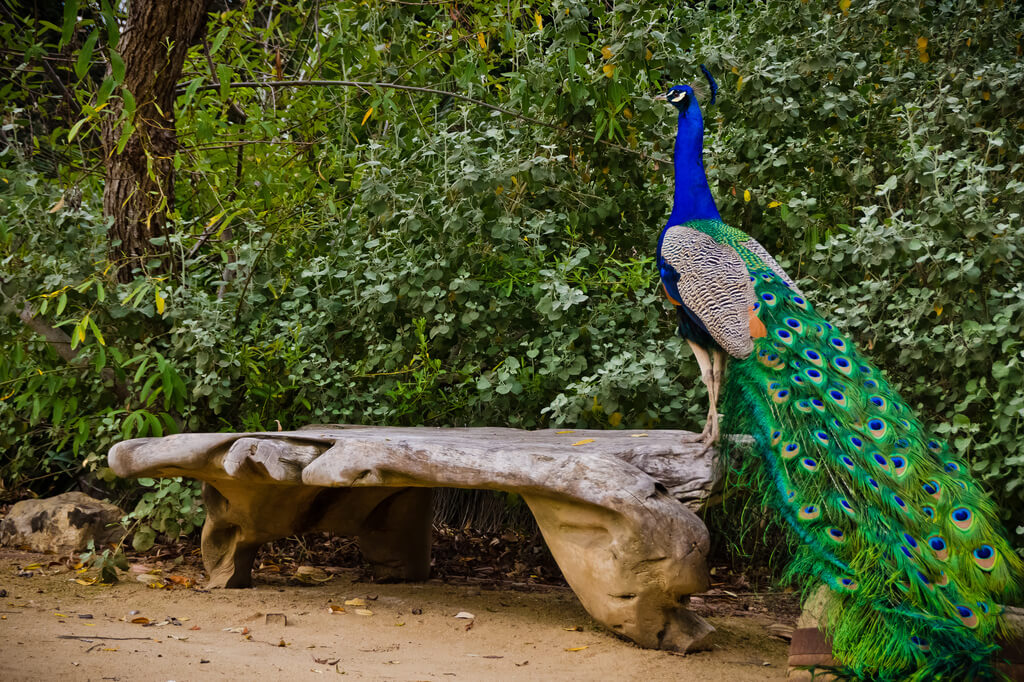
x: 374, y: 255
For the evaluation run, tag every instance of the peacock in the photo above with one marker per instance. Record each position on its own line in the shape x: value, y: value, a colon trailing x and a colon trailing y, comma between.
x: 884, y: 513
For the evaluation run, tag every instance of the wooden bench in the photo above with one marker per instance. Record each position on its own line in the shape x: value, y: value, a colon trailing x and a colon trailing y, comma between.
x: 616, y: 508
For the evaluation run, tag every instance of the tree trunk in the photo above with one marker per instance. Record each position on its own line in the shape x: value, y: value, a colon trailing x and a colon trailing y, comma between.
x: 140, y: 179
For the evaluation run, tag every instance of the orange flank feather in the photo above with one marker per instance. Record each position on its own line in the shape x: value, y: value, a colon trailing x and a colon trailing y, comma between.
x: 757, y: 328
x: 675, y: 302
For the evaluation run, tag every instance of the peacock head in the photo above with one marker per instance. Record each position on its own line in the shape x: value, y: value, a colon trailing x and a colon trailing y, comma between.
x: 679, y: 96
x: 684, y: 99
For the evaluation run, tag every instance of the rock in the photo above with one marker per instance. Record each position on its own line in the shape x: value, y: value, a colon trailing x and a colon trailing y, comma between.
x: 613, y: 506
x: 62, y: 524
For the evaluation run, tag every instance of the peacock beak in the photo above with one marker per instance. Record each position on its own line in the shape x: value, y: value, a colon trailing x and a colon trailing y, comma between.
x: 661, y: 98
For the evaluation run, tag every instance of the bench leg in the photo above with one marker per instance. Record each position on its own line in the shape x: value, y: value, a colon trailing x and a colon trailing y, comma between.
x: 631, y: 584
x: 240, y: 517
x: 228, y: 558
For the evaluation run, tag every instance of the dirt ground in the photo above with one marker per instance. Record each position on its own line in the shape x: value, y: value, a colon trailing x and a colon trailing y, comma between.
x: 54, y: 627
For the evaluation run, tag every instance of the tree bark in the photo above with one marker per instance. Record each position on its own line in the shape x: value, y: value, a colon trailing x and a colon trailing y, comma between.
x: 140, y: 179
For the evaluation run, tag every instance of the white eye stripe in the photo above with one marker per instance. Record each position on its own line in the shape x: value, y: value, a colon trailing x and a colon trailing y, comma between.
x: 677, y: 96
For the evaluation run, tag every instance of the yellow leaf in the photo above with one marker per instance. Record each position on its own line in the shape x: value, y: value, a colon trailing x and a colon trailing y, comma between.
x: 31, y: 567
x: 364, y: 612
x: 482, y: 40
x: 938, y: 310
x: 615, y: 418
x: 638, y: 435
x: 81, y: 336
x: 561, y: 432
x: 160, y: 306
x: 368, y: 114
x: 214, y: 219
x: 774, y: 204
x: 578, y: 648
x: 648, y: 55
x: 61, y: 615
x: 58, y: 206
x: 355, y: 602
x: 986, y: 95
x: 844, y: 7
x: 923, y: 56
x: 739, y: 83
x: 606, y: 52
x: 746, y: 195
x: 539, y: 20
x: 583, y: 442
x: 922, y: 43
x: 609, y: 70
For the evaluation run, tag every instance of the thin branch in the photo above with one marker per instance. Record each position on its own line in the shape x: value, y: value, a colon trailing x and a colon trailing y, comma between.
x: 60, y: 342
x: 371, y: 84
x: 416, y: 88
x: 88, y: 638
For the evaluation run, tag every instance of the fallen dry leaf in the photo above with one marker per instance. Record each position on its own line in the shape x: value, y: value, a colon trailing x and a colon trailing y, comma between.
x: 364, y: 612
x: 578, y: 648
x: 140, y: 620
x: 464, y: 614
x: 577, y: 628
x: 561, y: 432
x: 780, y: 630
x: 638, y: 435
x: 312, y: 574
x: 334, y: 608
x: 583, y: 442
x: 355, y: 602
x: 180, y: 580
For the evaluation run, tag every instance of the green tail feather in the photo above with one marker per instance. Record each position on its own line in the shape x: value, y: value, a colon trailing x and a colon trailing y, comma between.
x: 887, y: 516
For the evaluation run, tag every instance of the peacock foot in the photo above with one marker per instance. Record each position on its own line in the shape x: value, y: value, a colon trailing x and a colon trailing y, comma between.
x: 708, y: 437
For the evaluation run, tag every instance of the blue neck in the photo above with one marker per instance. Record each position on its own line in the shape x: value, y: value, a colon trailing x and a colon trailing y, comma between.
x: 692, y: 200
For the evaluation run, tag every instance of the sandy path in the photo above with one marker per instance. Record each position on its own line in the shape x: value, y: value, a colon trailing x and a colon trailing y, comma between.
x: 412, y: 634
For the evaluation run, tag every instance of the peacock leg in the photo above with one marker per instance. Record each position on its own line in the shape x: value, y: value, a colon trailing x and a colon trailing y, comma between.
x: 707, y: 375
x: 719, y: 360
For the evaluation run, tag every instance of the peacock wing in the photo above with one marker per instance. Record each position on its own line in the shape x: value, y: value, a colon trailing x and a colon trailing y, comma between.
x: 713, y: 283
